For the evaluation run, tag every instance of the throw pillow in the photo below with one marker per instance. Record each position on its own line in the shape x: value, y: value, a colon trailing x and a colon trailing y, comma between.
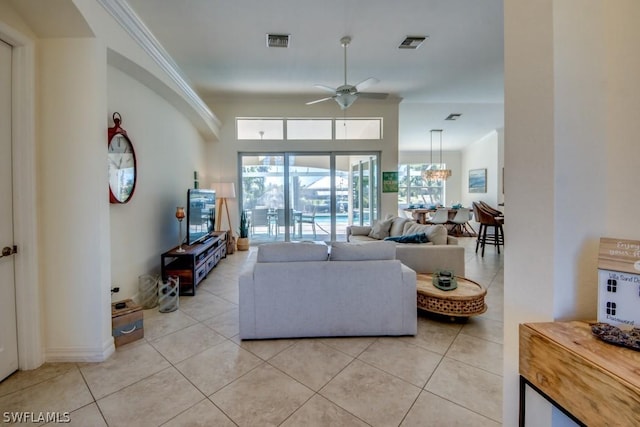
x: 380, y: 229
x: 411, y: 238
x: 373, y: 251
x: 292, y: 252
x: 436, y: 233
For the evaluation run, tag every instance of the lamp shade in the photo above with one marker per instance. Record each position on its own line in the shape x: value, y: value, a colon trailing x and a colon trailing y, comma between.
x: 225, y: 190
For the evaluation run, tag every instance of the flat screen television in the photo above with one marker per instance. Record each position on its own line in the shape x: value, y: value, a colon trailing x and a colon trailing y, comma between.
x: 201, y: 214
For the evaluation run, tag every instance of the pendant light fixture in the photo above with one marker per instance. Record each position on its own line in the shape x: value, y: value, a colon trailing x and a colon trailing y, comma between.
x: 432, y: 173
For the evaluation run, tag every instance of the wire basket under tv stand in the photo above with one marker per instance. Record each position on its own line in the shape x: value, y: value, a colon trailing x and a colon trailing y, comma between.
x: 194, y: 264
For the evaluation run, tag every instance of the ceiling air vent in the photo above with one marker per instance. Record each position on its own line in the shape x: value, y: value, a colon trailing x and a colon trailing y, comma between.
x: 412, y: 42
x: 278, y: 40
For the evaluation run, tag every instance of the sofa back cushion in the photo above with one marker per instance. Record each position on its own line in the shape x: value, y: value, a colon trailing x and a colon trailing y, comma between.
x: 435, y: 233
x: 380, y: 229
x: 373, y: 251
x: 360, y: 230
x: 397, y: 226
x: 292, y: 252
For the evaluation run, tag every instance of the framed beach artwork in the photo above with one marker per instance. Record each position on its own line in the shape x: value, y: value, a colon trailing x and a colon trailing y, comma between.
x: 477, y: 181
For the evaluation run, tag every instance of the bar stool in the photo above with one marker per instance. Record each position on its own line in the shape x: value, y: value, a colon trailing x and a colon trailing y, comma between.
x: 487, y: 220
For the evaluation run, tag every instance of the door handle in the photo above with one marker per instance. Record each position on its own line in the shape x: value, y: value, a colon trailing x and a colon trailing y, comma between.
x: 8, y: 251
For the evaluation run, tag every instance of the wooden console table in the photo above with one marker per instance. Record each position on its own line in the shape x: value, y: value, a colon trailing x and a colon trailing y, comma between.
x: 195, y: 263
x: 593, y: 382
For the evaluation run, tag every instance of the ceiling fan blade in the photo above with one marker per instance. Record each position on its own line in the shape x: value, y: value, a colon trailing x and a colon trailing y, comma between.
x: 366, y: 83
x: 320, y: 100
x: 325, y: 88
x: 373, y: 95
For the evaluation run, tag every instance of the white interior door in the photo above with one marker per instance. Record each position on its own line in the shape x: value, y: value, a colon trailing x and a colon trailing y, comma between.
x: 8, y: 334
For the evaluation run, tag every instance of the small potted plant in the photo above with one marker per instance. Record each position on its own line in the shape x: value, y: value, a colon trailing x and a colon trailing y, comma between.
x: 243, y: 239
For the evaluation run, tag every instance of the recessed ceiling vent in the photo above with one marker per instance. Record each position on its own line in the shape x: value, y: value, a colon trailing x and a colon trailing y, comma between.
x: 278, y: 40
x: 453, y: 116
x: 412, y: 42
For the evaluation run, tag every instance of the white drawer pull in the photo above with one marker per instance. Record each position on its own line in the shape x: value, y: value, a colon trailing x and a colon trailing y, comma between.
x: 129, y: 331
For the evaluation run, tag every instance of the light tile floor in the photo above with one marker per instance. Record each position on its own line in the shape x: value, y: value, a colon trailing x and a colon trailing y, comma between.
x: 191, y: 369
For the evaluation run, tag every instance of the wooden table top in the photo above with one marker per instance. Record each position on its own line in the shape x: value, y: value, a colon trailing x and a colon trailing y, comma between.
x: 597, y: 382
x: 576, y: 337
x: 467, y: 289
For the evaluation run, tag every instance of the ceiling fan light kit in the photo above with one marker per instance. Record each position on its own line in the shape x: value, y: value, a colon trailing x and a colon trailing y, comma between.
x: 347, y: 94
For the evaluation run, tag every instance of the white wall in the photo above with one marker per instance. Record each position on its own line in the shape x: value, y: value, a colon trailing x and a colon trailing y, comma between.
x: 82, y: 241
x: 482, y: 154
x: 168, y: 149
x: 222, y: 155
x: 74, y: 227
x: 453, y: 161
x: 569, y: 141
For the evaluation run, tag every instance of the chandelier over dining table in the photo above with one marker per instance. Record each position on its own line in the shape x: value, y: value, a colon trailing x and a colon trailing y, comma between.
x: 434, y: 172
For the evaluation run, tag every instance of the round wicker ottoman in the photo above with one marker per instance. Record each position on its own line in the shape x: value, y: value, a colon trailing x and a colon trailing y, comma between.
x: 464, y: 301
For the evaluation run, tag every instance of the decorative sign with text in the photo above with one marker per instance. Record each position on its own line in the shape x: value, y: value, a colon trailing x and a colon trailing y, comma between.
x: 389, y: 182
x: 619, y: 282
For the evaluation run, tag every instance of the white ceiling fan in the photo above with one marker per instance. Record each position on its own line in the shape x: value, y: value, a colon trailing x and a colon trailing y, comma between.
x: 347, y: 94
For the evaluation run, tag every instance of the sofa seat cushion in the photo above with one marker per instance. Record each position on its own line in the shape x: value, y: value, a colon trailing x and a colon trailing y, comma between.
x: 435, y: 233
x: 380, y: 250
x: 292, y: 252
x: 358, y: 238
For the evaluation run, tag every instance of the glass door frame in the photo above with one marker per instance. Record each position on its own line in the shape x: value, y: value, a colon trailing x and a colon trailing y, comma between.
x: 374, y: 209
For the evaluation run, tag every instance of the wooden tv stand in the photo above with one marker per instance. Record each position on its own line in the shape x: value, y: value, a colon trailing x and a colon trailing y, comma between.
x: 195, y: 263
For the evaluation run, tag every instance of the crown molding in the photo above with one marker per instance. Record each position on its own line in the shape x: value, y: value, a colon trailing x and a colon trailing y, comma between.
x: 133, y: 25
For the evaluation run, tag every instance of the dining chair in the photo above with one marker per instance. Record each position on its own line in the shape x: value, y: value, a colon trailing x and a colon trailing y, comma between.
x: 461, y: 222
x: 309, y: 218
x: 260, y: 218
x: 441, y: 216
x: 280, y: 221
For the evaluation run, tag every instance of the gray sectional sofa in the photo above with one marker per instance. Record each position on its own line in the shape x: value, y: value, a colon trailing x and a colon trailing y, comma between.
x: 297, y: 290
x: 441, y: 252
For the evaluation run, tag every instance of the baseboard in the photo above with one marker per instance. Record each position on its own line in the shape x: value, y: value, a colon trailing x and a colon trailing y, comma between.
x: 81, y: 354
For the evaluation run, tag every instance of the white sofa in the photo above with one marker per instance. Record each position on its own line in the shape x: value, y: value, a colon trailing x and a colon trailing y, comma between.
x: 295, y: 290
x: 441, y: 252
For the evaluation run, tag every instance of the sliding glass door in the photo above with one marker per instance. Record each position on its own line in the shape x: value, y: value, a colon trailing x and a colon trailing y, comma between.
x: 307, y: 196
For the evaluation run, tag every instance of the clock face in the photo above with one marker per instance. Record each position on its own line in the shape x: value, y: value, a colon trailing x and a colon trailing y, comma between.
x: 122, y: 169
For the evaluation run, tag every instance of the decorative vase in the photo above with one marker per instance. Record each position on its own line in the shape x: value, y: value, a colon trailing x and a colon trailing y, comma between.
x: 148, y: 291
x: 168, y: 294
x: 243, y: 243
x: 231, y: 244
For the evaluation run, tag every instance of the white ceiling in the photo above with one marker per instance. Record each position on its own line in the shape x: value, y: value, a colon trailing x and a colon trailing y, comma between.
x: 220, y: 45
